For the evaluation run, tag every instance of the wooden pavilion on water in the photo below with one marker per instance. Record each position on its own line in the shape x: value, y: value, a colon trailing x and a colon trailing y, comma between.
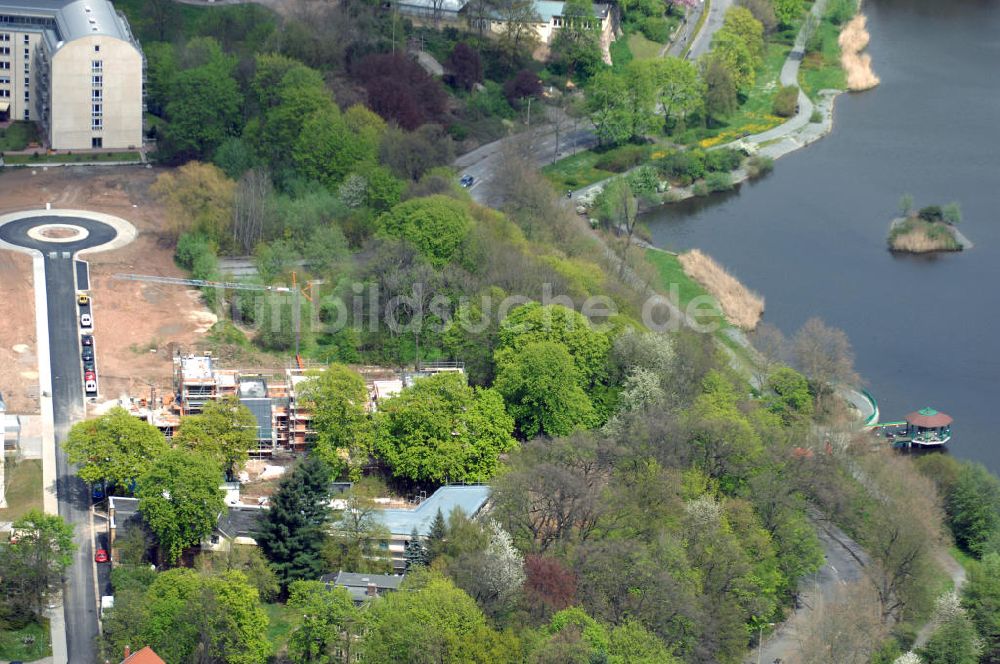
x: 922, y: 428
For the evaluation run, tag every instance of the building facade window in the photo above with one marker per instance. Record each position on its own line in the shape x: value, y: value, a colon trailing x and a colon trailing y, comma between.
x: 4, y: 50
x: 27, y: 114
x: 96, y: 124
x: 4, y: 37
x: 27, y: 95
x: 97, y: 66
x: 96, y: 94
x: 97, y: 142
x: 97, y: 48
x: 27, y: 39
x: 4, y: 65
x: 4, y: 94
x: 97, y: 111
x: 97, y: 80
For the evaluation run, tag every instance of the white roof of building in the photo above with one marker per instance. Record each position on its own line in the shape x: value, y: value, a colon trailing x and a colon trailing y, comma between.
x: 74, y: 19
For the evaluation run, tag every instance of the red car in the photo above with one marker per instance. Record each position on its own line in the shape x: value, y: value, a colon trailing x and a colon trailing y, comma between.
x: 101, y: 556
x: 89, y: 375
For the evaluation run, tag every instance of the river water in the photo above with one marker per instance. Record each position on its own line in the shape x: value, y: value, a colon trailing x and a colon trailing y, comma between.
x: 810, y: 236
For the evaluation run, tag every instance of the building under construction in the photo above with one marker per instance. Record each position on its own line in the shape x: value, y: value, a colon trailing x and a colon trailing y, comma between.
x: 283, y: 422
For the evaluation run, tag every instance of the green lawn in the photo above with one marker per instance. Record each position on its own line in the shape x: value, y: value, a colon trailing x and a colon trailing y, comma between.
x: 822, y: 70
x: 575, y: 171
x: 24, y: 489
x: 18, y: 135
x: 643, y: 48
x: 13, y: 646
x: 76, y: 157
x: 281, y: 620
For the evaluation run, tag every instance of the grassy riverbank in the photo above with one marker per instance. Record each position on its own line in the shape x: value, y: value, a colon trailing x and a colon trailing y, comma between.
x: 821, y: 68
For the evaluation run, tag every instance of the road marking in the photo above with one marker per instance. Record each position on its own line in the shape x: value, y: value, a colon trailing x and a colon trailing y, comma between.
x: 65, y: 254
x: 53, y: 254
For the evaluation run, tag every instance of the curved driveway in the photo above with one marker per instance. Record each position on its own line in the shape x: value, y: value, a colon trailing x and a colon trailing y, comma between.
x: 80, y: 589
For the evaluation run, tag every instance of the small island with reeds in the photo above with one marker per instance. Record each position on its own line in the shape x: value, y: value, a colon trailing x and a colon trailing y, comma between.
x: 929, y: 229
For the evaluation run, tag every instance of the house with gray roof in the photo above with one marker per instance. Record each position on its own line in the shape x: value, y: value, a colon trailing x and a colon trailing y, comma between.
x: 363, y: 587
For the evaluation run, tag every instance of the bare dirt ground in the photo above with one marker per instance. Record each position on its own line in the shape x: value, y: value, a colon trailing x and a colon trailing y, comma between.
x: 132, y: 320
x: 18, y: 363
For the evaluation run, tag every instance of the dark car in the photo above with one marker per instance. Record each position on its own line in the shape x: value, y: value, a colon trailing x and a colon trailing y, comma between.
x: 97, y: 492
x: 88, y: 353
x: 88, y: 365
x: 87, y: 340
x: 467, y: 180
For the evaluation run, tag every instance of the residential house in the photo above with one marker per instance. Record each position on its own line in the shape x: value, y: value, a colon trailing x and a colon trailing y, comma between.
x: 144, y: 656
x: 363, y: 587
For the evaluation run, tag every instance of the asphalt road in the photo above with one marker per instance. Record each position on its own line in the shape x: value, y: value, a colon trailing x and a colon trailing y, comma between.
x: 703, y: 40
x: 80, y: 602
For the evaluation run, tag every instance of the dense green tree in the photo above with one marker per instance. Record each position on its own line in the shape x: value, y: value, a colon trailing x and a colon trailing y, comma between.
x: 733, y: 53
x: 288, y: 104
x: 161, y: 68
x: 787, y: 10
x: 981, y: 598
x: 542, y: 389
x: 679, y: 90
x: 720, y: 88
x: 973, y: 507
x: 436, y: 225
x: 436, y: 536
x: 415, y: 552
x: 330, y: 625
x: 225, y: 431
x: 203, y: 111
x: 246, y: 559
x: 185, y: 616
x: 608, y: 108
x: 180, y: 500
x: 332, y: 144
x: 337, y: 398
x: 576, y: 48
x: 431, y: 621
x: 293, y: 532
x: 741, y: 22
x: 32, y: 564
x: 533, y: 322
x: 792, y: 399
x: 441, y: 430
x: 116, y: 448
x: 631, y: 643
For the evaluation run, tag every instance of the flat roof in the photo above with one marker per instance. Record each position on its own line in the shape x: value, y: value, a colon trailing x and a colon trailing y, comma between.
x: 196, y: 367
x: 470, y: 499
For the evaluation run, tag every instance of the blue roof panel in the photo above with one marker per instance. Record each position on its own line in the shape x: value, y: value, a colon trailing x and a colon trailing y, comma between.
x: 469, y: 498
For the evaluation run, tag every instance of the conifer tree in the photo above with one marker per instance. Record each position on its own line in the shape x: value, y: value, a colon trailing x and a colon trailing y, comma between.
x: 293, y: 531
x: 436, y: 537
x: 416, y: 552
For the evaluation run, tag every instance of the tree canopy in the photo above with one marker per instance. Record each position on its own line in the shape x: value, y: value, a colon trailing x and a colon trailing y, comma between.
x: 441, y: 430
x: 225, y: 431
x: 436, y: 225
x: 337, y: 398
x: 180, y: 500
x: 116, y: 448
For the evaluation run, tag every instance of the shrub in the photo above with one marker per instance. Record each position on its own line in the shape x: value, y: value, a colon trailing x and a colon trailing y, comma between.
x: 700, y: 189
x: 191, y: 247
x: 621, y: 158
x: 786, y: 101
x: 683, y: 166
x: 841, y: 11
x: 759, y: 165
x: 816, y: 116
x: 931, y: 213
x: 722, y: 160
x: 458, y: 132
x: 719, y: 182
x: 644, y: 180
x: 524, y: 84
x: 491, y: 101
x: 655, y: 28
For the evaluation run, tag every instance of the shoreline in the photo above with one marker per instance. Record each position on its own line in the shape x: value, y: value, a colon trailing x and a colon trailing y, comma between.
x: 794, y: 134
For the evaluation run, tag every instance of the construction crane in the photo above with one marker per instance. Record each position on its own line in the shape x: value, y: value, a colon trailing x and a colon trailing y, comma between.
x: 233, y: 285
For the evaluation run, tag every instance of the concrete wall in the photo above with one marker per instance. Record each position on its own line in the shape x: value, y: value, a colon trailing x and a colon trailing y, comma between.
x: 72, y: 100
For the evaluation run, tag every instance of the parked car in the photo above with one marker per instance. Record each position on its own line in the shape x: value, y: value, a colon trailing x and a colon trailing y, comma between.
x: 467, y: 180
x: 101, y: 556
x: 83, y: 299
x: 86, y: 320
x: 87, y: 340
x: 89, y: 376
x: 90, y: 386
x: 88, y: 365
x: 88, y: 353
x: 97, y: 491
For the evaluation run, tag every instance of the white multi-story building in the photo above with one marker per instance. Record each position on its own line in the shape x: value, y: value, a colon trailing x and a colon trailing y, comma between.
x: 74, y: 67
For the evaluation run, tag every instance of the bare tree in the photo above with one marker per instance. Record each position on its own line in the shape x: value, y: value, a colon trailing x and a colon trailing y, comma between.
x: 846, y: 628
x: 622, y: 211
x: 772, y: 351
x: 824, y: 355
x: 249, y: 208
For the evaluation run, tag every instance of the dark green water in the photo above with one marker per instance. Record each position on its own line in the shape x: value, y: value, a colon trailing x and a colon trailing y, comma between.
x: 811, y: 236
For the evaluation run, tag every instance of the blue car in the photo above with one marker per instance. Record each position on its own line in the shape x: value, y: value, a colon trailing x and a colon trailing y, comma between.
x: 97, y: 491
x: 467, y: 181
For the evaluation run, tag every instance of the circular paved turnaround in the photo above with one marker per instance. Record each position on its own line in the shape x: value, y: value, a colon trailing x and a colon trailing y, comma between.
x: 95, y: 231
x: 19, y: 233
